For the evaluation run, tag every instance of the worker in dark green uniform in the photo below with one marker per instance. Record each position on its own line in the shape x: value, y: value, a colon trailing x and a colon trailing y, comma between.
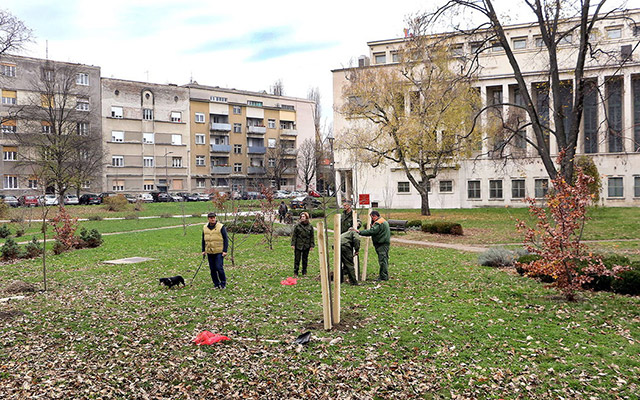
x: 302, y: 243
x: 381, y: 236
x: 347, y: 217
x: 349, y: 248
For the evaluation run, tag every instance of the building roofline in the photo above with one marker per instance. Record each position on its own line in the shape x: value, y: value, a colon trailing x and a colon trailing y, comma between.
x: 141, y: 82
x: 245, y: 92
x: 6, y: 55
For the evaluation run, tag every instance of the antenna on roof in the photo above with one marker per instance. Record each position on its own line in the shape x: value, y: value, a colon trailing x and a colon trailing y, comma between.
x: 46, y: 49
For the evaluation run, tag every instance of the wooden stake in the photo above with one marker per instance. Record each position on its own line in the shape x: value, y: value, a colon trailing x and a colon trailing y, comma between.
x: 336, y: 268
x: 355, y: 226
x: 366, y: 252
x: 324, y: 277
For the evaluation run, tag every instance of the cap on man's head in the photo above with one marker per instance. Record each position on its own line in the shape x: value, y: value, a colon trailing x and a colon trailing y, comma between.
x: 211, y: 215
x: 349, y: 202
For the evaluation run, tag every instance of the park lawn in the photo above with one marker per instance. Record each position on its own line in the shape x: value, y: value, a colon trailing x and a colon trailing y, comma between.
x: 441, y: 327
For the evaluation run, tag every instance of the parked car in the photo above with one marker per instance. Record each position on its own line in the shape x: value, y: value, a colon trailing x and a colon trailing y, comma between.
x: 293, y: 195
x: 192, y: 197
x: 281, y: 194
x: 305, y: 202
x: 176, y: 197
x: 145, y: 197
x: 71, y: 199
x: 48, y: 200
x: 253, y: 196
x: 313, y: 193
x: 161, y: 197
x: 90, y: 198
x: 28, y: 200
x: 104, y: 195
x: 203, y: 197
x: 184, y: 195
x: 10, y: 200
x: 130, y: 198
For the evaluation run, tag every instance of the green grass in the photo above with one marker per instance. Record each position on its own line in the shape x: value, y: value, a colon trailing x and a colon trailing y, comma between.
x: 441, y: 327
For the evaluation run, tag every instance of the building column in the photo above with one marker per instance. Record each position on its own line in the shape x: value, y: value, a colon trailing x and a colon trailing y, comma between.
x: 627, y: 113
x: 338, y: 181
x: 602, y: 120
x: 483, y: 120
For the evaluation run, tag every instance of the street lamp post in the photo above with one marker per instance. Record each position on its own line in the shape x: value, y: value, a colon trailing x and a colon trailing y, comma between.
x: 331, y: 139
x: 166, y: 169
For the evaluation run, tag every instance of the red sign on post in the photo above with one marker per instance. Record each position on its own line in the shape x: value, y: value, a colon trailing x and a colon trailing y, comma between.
x: 363, y: 200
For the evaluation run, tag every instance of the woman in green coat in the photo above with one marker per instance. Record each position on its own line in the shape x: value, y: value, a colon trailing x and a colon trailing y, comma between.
x: 302, y: 243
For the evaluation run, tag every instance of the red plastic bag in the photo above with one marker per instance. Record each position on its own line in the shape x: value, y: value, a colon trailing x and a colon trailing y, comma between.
x: 289, y: 281
x: 209, y: 338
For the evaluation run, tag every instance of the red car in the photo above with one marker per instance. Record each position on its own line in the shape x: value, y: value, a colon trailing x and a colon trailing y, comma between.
x: 28, y: 200
x: 313, y: 193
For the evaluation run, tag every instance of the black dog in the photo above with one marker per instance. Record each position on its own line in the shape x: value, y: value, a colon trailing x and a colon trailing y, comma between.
x: 172, y: 281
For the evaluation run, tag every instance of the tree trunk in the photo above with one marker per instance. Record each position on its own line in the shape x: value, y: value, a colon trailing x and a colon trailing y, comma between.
x: 424, y: 206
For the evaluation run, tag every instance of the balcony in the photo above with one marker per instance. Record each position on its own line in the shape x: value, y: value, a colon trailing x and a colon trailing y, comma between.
x: 290, y: 151
x: 289, y: 132
x: 220, y: 148
x: 260, y: 130
x: 221, y: 170
x: 290, y: 171
x: 257, y: 150
x: 256, y: 170
x: 217, y: 126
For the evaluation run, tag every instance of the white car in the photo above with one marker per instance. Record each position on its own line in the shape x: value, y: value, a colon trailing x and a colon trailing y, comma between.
x: 71, y: 199
x: 176, y: 197
x: 145, y: 197
x: 203, y: 197
x: 48, y: 200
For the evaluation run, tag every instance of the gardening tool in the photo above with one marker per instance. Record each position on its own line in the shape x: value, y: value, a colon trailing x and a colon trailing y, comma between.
x: 194, y: 275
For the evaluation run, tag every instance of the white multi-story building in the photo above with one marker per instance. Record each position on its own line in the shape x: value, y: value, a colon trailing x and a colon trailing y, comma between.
x: 609, y: 132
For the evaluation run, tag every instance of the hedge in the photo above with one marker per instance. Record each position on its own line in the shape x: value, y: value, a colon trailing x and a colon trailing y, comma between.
x: 447, y: 228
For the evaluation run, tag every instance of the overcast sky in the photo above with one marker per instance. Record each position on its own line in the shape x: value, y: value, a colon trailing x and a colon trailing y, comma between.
x: 235, y: 44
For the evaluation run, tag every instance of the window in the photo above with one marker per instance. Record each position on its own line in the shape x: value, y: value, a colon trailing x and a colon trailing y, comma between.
x: 147, y: 162
x: 380, y: 58
x: 395, y: 57
x: 272, y: 163
x: 117, y: 161
x: 237, y: 167
x: 475, y: 47
x: 541, y: 188
x: 636, y: 186
x: 82, y: 128
x: 46, y: 127
x: 614, y: 32
x: 47, y: 74
x: 200, y: 183
x: 539, y: 41
x: 10, y: 182
x: 10, y: 154
x: 519, y: 43
x: 237, y: 128
x: 473, y: 190
x: 403, y: 187
x: 615, y: 187
x: 176, y: 162
x: 82, y: 105
x: 118, y: 186
x: 517, y: 189
x: 200, y: 161
x: 7, y: 70
x: 272, y: 124
x: 237, y: 110
x: 9, y: 97
x: 176, y: 116
x: 86, y: 184
x: 200, y: 138
x: 254, y: 103
x: 590, y: 117
x: 147, y: 114
x: 176, y: 140
x: 287, y: 107
x: 496, y: 47
x: 271, y: 143
x: 446, y: 186
x: 82, y: 79
x: 8, y: 127
x: 495, y: 189
x: 457, y: 50
x: 116, y: 112
x: 566, y: 39
x: 117, y: 136
x: 32, y: 183
x: 148, y: 138
x: 237, y: 149
x: 614, y: 105
x: 147, y: 186
x: 200, y: 118
x: 218, y: 99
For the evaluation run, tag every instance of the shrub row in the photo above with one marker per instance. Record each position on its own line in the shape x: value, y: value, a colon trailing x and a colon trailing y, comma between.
x: 447, y: 228
x: 627, y: 282
x: 312, y: 213
x: 11, y: 250
x: 500, y: 257
x: 87, y: 239
x: 414, y: 223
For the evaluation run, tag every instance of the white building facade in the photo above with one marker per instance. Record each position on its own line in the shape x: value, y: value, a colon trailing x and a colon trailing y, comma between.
x: 609, y: 132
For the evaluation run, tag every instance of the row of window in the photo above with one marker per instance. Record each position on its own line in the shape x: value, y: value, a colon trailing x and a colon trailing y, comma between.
x: 9, y: 70
x: 147, y: 113
x: 118, y: 161
x: 615, y: 188
x: 12, y: 182
x: 82, y: 128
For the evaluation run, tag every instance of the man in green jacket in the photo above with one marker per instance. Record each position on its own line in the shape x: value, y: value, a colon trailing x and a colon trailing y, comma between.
x: 349, y: 247
x: 302, y: 243
x: 347, y: 217
x: 381, y: 236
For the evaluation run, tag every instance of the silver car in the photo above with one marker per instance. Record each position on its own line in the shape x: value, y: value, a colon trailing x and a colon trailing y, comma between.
x: 71, y: 199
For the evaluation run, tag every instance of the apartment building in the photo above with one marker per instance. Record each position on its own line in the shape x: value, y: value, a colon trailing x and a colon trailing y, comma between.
x: 241, y: 140
x: 609, y: 133
x: 72, y: 89
x: 147, y: 137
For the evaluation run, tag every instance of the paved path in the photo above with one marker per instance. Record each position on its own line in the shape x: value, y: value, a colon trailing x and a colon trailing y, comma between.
x: 454, y: 246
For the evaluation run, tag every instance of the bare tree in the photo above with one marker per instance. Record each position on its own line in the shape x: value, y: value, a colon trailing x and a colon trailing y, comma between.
x: 557, y: 22
x: 278, y: 162
x: 307, y: 162
x: 55, y: 138
x: 14, y: 34
x: 277, y: 89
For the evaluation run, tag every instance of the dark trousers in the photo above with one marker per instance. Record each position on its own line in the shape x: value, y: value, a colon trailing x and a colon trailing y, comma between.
x: 383, y: 261
x: 346, y: 256
x: 216, y: 266
x: 300, y: 255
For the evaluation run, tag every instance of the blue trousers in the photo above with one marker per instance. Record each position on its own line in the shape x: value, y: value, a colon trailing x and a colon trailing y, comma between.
x: 216, y: 266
